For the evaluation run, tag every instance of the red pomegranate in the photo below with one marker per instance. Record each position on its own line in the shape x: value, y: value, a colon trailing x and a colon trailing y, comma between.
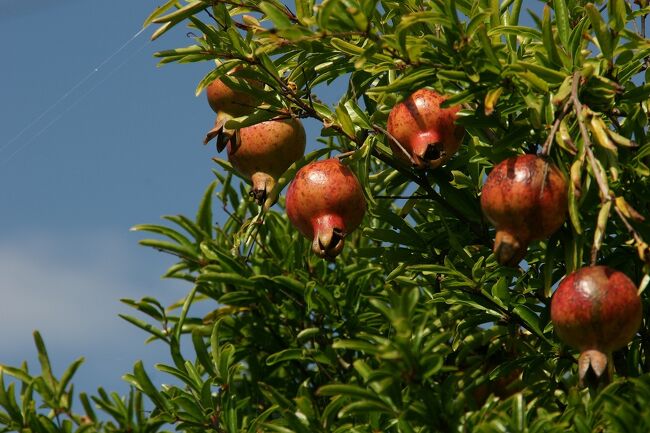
x: 525, y: 198
x: 233, y: 103
x: 597, y: 310
x: 325, y: 203
x: 264, y: 151
x: 426, y: 132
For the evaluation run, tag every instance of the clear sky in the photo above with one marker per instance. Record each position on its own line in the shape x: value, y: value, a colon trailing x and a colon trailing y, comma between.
x: 123, y: 146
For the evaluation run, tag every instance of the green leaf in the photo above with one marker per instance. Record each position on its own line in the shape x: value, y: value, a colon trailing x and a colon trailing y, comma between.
x: 530, y: 320
x: 285, y: 355
x: 67, y: 377
x: 171, y: 248
x: 204, y: 214
x: 8, y: 402
x: 549, y: 41
x: 637, y: 94
x: 192, y: 8
x: 617, y: 14
x: 562, y: 22
x: 145, y: 326
x: 44, y: 360
x: 141, y: 380
x: 178, y: 328
x: 601, y: 30
x: 233, y: 279
x: 486, y: 43
x: 516, y: 31
x: 351, y: 391
x: 159, y: 11
x: 165, y: 231
x: 345, y: 120
x: 551, y: 75
x: 277, y: 16
x: 358, y: 345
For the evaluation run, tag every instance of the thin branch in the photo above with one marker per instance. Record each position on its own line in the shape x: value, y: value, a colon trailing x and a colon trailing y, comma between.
x: 344, y: 155
x: 556, y: 125
x: 394, y: 140
x: 602, y: 183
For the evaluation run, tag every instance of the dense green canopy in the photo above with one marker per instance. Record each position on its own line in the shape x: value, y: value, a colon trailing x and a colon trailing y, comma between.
x: 414, y: 327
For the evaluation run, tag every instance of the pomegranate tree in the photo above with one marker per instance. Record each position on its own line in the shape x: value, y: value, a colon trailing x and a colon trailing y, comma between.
x: 597, y: 310
x: 525, y: 198
x: 426, y: 133
x: 264, y: 151
x: 325, y: 203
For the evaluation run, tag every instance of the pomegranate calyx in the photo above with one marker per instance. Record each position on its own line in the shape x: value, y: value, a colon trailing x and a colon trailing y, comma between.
x: 593, y: 368
x: 262, y: 186
x: 509, y: 249
x: 428, y: 150
x: 220, y: 132
x: 328, y: 243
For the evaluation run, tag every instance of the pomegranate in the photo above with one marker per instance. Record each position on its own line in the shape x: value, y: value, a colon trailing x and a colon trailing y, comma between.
x: 264, y: 151
x: 228, y: 104
x: 234, y: 103
x: 325, y: 203
x: 597, y: 310
x: 426, y: 133
x: 525, y: 198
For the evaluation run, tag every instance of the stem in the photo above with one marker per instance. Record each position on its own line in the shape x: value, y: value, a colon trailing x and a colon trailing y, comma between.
x: 602, y: 183
x: 344, y: 155
x: 556, y: 125
x: 394, y: 140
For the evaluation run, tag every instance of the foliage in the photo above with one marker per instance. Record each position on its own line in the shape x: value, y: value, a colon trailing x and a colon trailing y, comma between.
x: 415, y: 327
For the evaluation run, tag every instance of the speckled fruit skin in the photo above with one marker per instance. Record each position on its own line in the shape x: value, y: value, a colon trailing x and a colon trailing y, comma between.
x: 596, y: 307
x: 224, y: 100
x: 522, y: 207
x: 426, y: 131
x: 264, y: 151
x: 325, y: 203
x: 597, y: 310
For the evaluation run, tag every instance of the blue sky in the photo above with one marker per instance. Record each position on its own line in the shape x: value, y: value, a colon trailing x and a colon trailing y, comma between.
x: 94, y: 139
x: 122, y: 148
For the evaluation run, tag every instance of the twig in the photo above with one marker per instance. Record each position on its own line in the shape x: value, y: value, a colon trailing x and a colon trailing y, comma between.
x: 344, y: 155
x: 605, y: 194
x: 394, y: 140
x: 602, y: 183
x: 556, y: 125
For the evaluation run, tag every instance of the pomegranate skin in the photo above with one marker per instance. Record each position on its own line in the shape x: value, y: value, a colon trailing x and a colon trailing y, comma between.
x: 224, y: 100
x: 325, y: 203
x: 596, y: 307
x: 425, y: 131
x: 597, y: 310
x: 525, y: 198
x: 264, y: 151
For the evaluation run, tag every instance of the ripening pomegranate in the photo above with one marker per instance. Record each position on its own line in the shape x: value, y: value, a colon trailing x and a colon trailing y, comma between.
x: 225, y: 100
x: 426, y: 132
x: 597, y: 310
x: 325, y: 203
x: 525, y: 198
x: 228, y: 104
x: 264, y: 151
